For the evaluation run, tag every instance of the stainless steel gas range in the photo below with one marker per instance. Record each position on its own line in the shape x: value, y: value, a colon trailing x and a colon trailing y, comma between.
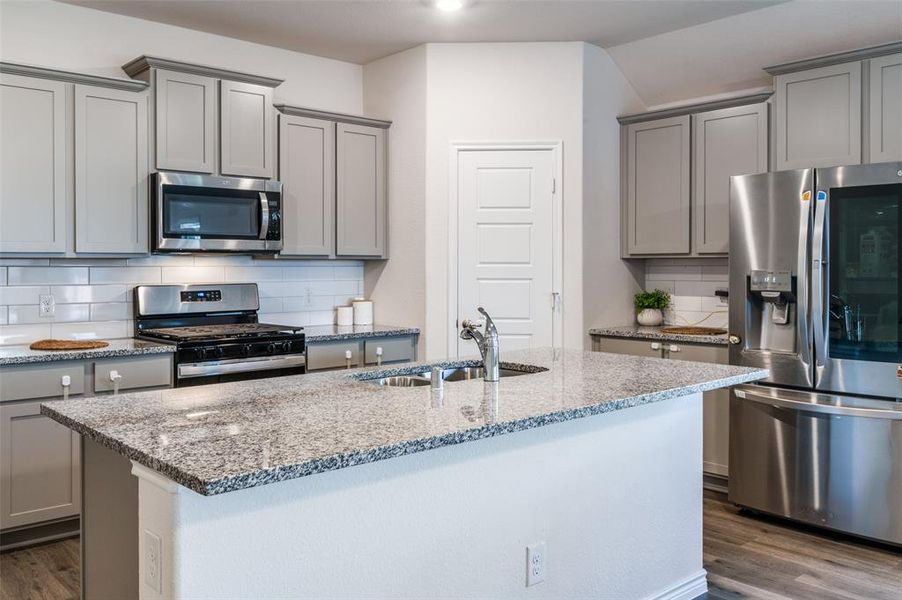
x: 217, y: 334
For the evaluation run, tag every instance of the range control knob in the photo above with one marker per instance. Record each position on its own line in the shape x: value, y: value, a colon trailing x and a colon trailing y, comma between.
x: 286, y: 346
x: 217, y: 352
x: 271, y: 349
x: 246, y: 350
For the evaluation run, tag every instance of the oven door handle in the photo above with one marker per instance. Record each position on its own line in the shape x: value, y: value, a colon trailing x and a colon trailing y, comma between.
x: 264, y: 215
x: 830, y: 409
x: 226, y: 367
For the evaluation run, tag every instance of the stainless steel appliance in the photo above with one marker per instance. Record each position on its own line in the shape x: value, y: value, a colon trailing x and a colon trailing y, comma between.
x: 216, y: 331
x: 206, y: 213
x: 814, y: 297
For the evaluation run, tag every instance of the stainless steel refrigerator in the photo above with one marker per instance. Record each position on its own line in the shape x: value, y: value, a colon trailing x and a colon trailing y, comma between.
x: 814, y: 296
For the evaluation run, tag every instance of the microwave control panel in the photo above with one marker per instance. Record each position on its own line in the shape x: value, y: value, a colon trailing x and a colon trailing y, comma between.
x: 274, y: 232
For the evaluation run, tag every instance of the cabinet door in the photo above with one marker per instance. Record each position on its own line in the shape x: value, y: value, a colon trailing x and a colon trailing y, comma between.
x: 110, y: 170
x: 185, y: 120
x: 245, y: 129
x: 360, y: 185
x: 885, y: 114
x: 632, y: 347
x: 33, y: 186
x: 728, y: 142
x: 658, y: 186
x: 819, y: 117
x: 333, y: 355
x: 39, y: 467
x: 716, y: 411
x: 307, y: 173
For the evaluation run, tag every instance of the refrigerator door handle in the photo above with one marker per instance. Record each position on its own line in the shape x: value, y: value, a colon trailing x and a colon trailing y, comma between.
x: 830, y: 409
x: 804, y: 288
x: 818, y: 278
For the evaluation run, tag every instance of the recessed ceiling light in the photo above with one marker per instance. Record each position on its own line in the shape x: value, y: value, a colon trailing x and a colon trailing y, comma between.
x: 449, y: 5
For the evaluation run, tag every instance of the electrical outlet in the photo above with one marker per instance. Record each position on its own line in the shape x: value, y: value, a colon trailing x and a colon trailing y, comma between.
x: 46, y: 305
x: 536, y: 560
x: 153, y: 561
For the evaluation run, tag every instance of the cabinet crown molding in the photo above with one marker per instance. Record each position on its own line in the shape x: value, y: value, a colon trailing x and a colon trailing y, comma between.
x: 299, y: 111
x: 129, y: 85
x: 688, y: 109
x: 143, y: 63
x: 835, y: 59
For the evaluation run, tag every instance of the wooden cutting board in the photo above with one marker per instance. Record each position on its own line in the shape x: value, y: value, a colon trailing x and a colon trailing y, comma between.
x: 694, y: 330
x: 68, y: 344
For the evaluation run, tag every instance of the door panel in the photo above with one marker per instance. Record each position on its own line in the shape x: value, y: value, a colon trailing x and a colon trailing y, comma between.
x: 185, y: 118
x: 33, y: 180
x: 307, y: 172
x: 885, y: 113
x: 110, y: 170
x: 246, y: 129
x: 505, y: 251
x: 858, y: 335
x: 360, y: 190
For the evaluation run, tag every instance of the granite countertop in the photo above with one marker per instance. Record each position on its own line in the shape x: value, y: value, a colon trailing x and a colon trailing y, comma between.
x: 331, y: 333
x: 641, y: 332
x: 20, y: 355
x: 220, y: 438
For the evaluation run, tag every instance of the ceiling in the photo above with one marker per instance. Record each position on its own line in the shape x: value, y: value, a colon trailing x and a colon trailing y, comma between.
x: 362, y: 31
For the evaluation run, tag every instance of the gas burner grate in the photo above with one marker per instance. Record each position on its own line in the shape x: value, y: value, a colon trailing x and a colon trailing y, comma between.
x: 232, y: 330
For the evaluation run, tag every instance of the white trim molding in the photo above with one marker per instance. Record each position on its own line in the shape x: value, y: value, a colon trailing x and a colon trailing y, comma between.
x: 688, y: 589
x: 557, y: 275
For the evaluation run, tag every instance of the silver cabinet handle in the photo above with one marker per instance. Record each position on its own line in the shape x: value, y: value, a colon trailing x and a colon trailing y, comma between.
x: 348, y: 356
x: 379, y: 356
x: 66, y: 382
x: 674, y: 348
x: 656, y: 345
x: 115, y: 377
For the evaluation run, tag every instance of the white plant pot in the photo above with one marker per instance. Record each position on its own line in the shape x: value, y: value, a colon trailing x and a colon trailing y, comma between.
x: 650, y: 317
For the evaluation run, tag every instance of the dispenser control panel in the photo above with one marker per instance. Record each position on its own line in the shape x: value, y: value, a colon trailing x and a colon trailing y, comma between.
x: 771, y: 281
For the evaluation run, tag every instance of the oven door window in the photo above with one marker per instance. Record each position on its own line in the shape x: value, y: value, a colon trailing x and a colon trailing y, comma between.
x: 190, y: 212
x: 864, y: 263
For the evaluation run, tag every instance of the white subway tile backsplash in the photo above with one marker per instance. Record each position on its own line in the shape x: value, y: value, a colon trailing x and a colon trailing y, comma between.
x: 94, y: 296
x: 696, y: 288
x: 47, y: 275
x: 691, y: 283
x: 64, y: 294
x: 22, y: 315
x: 686, y: 302
x: 2, y: 275
x: 23, y: 334
x: 667, y: 272
x: 716, y: 273
x: 134, y: 275
x: 193, y: 274
x: 16, y: 294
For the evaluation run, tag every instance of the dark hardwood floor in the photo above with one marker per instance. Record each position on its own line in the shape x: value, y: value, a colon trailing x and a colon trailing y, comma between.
x: 746, y: 557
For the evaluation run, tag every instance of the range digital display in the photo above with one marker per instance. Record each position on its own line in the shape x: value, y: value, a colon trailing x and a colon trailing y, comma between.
x: 202, y: 296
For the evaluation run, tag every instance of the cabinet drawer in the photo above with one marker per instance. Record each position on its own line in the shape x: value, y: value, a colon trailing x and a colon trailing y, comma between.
x: 134, y: 372
x: 633, y: 347
x: 331, y: 355
x: 41, y: 381
x: 394, y: 349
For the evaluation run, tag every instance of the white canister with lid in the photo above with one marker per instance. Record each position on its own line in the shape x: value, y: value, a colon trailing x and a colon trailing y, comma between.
x: 363, y: 311
x: 344, y: 316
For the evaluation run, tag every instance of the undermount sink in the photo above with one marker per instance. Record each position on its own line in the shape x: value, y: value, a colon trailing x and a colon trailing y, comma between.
x: 421, y: 378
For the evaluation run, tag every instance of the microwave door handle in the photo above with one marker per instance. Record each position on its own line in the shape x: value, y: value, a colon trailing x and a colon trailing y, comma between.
x: 264, y: 215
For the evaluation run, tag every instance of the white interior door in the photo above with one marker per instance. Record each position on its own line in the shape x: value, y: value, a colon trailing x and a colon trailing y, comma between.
x: 506, y: 244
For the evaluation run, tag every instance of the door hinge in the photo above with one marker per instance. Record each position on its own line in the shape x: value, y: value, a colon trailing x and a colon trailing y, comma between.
x: 553, y: 185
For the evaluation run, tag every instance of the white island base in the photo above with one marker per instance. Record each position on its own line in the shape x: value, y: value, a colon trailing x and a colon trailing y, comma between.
x: 616, y: 498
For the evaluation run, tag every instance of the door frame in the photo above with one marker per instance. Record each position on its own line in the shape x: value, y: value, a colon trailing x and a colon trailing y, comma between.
x: 557, y: 230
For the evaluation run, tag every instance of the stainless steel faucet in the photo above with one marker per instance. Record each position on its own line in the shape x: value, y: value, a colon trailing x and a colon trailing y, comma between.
x: 487, y: 343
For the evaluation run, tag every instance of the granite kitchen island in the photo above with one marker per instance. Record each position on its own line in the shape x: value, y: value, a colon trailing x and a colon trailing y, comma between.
x: 323, y: 485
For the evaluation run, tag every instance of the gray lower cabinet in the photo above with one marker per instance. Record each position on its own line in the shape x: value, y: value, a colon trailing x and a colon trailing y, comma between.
x: 885, y: 108
x: 716, y: 420
x: 246, y: 129
x: 40, y: 479
x: 727, y: 142
x: 360, y: 191
x: 34, y: 188
x: 818, y: 117
x: 185, y: 118
x: 111, y: 168
x: 307, y: 173
x: 658, y: 172
x: 334, y: 354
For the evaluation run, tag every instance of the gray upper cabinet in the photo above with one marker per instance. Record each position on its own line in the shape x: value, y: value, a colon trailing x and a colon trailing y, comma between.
x: 246, y: 129
x: 360, y: 190
x: 658, y: 186
x: 307, y: 173
x: 818, y: 117
x: 727, y: 142
x: 111, y: 169
x: 885, y: 114
x: 34, y: 189
x: 185, y: 122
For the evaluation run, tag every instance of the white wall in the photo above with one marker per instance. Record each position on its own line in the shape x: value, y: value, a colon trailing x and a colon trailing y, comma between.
x: 608, y: 282
x: 395, y: 89
x: 90, y: 41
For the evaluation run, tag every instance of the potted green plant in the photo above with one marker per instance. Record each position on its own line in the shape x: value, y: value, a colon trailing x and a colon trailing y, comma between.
x: 649, y: 307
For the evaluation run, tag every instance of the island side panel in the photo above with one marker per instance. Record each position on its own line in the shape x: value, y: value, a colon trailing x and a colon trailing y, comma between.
x: 616, y: 497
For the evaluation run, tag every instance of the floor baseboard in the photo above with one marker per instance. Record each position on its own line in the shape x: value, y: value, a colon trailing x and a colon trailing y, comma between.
x: 688, y: 589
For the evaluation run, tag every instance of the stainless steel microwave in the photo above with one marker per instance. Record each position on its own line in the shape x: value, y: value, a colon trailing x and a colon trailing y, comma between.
x: 206, y: 213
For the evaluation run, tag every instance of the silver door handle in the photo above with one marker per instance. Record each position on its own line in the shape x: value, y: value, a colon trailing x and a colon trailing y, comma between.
x: 240, y: 365
x: 555, y: 300
x: 819, y: 320
x: 264, y: 216
x: 829, y: 409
